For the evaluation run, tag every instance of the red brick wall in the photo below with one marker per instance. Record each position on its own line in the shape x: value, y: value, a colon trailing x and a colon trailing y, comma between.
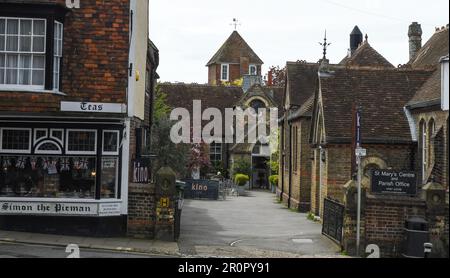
x: 95, y: 59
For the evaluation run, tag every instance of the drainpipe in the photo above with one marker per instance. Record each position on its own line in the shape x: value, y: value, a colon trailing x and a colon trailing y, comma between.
x: 290, y: 165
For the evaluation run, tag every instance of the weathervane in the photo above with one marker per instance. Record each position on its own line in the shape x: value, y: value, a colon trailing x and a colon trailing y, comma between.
x: 325, y: 46
x: 235, y: 23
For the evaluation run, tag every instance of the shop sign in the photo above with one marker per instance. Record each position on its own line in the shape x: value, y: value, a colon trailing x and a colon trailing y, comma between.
x: 392, y: 182
x: 59, y: 208
x: 93, y: 107
x: 141, y: 171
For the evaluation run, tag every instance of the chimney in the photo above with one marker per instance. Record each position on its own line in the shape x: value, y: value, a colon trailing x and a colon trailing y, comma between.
x: 415, y: 39
x: 270, y: 78
x: 356, y: 38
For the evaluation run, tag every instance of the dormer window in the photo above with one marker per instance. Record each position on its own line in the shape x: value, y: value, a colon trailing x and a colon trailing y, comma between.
x: 31, y: 47
x: 253, y: 70
x: 225, y: 72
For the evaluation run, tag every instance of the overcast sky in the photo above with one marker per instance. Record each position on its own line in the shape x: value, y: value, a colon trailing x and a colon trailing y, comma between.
x: 188, y: 33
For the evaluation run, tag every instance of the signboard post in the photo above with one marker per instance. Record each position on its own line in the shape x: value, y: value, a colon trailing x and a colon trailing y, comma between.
x: 360, y: 152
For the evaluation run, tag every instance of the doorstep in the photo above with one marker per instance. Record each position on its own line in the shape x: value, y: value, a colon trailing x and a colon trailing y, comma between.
x: 110, y: 244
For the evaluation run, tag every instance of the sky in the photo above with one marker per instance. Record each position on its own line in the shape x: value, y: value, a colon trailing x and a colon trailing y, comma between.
x: 189, y: 32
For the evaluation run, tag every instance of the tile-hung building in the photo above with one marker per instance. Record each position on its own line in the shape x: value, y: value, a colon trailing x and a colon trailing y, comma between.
x: 233, y: 61
x: 72, y: 97
x: 428, y: 109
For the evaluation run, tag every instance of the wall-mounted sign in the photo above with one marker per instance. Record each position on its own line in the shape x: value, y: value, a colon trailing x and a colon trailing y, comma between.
x: 59, y: 208
x: 141, y: 171
x: 93, y: 107
x: 392, y: 182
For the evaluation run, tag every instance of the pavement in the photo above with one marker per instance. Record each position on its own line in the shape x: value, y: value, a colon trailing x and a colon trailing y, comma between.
x: 256, y: 226
x: 111, y: 245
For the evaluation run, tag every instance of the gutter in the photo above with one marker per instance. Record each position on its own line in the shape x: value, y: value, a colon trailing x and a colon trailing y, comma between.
x: 412, y: 123
x: 424, y: 104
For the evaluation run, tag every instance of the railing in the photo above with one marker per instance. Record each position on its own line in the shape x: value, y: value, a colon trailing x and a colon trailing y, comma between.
x: 333, y: 220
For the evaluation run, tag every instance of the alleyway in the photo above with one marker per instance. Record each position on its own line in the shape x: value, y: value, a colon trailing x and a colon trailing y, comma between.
x: 254, y: 226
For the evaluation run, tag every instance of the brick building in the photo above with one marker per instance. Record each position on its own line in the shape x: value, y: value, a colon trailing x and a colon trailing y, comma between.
x: 75, y: 92
x: 234, y: 59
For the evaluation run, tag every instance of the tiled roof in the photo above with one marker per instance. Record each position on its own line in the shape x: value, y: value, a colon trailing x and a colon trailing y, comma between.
x: 431, y: 53
x: 430, y: 91
x: 366, y: 56
x: 301, y: 81
x: 382, y: 94
x: 233, y: 49
x: 183, y: 95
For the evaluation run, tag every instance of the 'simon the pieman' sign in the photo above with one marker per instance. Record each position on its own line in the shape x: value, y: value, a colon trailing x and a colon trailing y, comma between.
x: 393, y: 182
x: 141, y: 171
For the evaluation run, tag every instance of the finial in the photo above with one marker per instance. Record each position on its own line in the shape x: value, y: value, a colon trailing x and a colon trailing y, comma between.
x: 325, y: 46
x: 235, y: 23
x: 367, y: 38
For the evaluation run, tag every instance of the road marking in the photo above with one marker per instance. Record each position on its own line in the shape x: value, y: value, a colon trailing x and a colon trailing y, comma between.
x: 303, y: 241
x: 235, y: 242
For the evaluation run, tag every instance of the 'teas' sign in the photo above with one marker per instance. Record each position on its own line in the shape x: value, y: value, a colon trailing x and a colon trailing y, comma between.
x: 392, y: 182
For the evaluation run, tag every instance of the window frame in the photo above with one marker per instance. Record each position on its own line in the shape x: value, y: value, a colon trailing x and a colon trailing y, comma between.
x: 8, y: 151
x: 31, y: 53
x: 214, y: 146
x: 228, y: 72
x: 50, y: 13
x: 250, y: 69
x: 116, y: 153
x: 91, y: 153
x: 37, y: 151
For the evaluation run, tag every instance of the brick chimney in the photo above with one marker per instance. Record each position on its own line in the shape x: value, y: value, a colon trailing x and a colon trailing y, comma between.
x: 270, y: 78
x: 415, y: 39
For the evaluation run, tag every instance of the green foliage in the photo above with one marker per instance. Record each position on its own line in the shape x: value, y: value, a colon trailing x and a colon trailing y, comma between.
x: 241, y: 179
x: 167, y: 153
x: 275, y: 167
x: 242, y: 166
x: 274, y: 180
x: 161, y: 109
x: 311, y: 216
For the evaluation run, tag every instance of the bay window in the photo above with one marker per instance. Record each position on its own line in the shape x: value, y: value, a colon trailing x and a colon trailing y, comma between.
x: 47, y: 162
x: 28, y: 59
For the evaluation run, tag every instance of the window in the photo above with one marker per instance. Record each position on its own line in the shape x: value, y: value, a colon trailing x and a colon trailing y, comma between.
x: 22, y: 52
x: 110, y: 177
x: 225, y: 73
x: 15, y: 140
x: 40, y: 134
x: 57, y: 54
x: 48, y: 147
x: 253, y: 70
x: 111, y: 142
x: 215, y: 153
x: 81, y: 142
x: 257, y: 104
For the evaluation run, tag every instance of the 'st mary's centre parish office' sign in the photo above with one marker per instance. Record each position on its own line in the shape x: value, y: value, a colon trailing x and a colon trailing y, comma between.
x: 93, y: 107
x: 392, y: 182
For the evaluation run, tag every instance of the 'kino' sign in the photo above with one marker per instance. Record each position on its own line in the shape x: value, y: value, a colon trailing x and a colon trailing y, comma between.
x: 141, y: 171
x: 392, y: 182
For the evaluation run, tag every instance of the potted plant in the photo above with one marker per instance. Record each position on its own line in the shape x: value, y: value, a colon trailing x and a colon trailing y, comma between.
x: 273, y: 182
x: 241, y: 180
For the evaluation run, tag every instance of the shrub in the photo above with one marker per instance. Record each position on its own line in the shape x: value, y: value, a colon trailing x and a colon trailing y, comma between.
x: 242, y: 166
x: 274, y: 180
x: 241, y: 179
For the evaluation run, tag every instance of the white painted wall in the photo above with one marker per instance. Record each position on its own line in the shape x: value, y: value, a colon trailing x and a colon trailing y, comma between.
x: 445, y: 84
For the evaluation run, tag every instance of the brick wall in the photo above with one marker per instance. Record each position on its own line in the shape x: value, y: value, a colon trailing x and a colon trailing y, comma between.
x: 141, y: 211
x: 95, y: 58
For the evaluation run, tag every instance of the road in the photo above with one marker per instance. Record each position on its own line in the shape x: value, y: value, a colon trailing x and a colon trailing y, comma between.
x: 254, y: 226
x: 12, y: 251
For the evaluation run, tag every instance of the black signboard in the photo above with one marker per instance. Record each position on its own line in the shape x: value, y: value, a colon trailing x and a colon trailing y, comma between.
x: 393, y: 182
x: 141, y: 171
x: 201, y: 189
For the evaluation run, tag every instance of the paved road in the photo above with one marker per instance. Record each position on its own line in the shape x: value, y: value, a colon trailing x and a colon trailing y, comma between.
x: 11, y: 251
x: 255, y: 226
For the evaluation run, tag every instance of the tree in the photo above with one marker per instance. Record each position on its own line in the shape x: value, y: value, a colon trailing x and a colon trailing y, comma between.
x: 242, y: 166
x: 167, y: 153
x: 199, y: 158
x: 278, y: 76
